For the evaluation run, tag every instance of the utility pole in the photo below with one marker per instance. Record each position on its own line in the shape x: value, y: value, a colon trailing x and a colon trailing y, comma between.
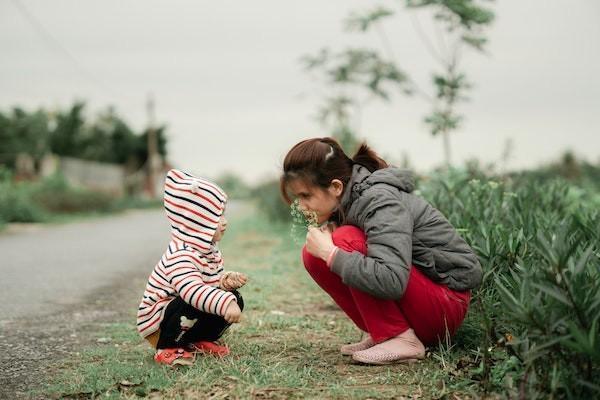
x: 153, y: 160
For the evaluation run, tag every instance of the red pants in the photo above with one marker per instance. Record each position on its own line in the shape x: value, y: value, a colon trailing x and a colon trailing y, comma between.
x: 430, y: 309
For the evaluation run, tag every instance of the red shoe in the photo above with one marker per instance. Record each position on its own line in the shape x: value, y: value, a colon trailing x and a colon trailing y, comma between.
x: 175, y: 356
x: 210, y: 348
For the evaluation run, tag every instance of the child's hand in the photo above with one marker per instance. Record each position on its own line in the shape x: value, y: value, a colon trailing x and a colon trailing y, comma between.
x: 233, y: 314
x: 233, y: 280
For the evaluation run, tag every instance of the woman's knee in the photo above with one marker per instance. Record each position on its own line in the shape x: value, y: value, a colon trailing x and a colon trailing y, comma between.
x: 310, y: 262
x: 350, y: 238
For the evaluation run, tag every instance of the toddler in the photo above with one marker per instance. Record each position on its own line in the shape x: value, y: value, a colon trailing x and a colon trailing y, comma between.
x: 189, y: 301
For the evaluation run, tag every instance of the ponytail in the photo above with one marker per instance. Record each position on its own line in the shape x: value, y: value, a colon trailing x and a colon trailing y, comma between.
x: 366, y: 157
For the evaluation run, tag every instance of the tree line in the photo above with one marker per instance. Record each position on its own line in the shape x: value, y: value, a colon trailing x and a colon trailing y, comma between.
x: 71, y: 132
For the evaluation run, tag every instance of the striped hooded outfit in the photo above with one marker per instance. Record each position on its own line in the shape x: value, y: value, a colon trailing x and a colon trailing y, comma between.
x: 192, y: 266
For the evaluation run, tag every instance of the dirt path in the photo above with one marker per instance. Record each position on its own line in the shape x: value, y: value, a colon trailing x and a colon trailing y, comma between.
x: 30, y: 348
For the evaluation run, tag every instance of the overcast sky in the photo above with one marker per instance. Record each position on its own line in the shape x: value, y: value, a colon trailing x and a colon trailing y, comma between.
x: 228, y: 83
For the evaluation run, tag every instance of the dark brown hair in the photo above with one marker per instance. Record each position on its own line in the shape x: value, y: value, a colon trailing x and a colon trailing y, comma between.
x: 320, y: 160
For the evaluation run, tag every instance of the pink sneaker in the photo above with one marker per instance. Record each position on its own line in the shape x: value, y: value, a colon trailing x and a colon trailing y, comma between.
x: 405, y: 347
x: 349, y: 349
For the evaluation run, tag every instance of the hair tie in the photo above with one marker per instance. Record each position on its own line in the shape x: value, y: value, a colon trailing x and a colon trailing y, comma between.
x: 330, y: 153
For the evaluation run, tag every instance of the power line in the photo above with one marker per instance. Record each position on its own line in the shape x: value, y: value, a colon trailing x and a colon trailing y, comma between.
x: 58, y: 47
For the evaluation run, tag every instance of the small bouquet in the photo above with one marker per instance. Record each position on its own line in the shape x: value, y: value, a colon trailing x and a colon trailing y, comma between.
x: 301, y: 221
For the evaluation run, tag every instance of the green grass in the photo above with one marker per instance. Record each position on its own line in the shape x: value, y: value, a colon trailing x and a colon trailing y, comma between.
x: 287, y: 346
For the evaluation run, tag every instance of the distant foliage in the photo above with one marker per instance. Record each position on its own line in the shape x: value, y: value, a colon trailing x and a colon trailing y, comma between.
x: 105, y: 138
x: 233, y: 185
x: 270, y: 202
x: 16, y: 204
x: 55, y: 195
x: 41, y: 200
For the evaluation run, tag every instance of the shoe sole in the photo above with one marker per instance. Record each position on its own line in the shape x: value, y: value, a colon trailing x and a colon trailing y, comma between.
x: 400, y: 361
x: 186, y: 362
x: 210, y: 353
x: 183, y: 363
x: 351, y: 352
x: 177, y: 363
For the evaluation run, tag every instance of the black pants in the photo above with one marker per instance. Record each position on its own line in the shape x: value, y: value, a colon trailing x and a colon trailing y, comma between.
x: 184, y: 324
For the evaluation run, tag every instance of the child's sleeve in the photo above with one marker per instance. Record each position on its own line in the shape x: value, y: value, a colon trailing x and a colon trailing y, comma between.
x: 187, y: 280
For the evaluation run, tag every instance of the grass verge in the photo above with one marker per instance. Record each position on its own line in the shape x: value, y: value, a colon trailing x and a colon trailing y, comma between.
x: 287, y: 346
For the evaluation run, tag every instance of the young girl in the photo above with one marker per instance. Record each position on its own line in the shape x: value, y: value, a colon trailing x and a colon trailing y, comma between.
x: 189, y: 302
x: 394, y: 264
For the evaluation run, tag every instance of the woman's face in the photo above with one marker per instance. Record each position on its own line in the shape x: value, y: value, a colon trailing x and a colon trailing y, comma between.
x: 314, y: 198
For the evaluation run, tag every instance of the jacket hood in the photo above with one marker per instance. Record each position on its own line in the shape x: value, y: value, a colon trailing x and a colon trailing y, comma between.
x: 362, y: 179
x: 194, y: 207
x: 402, y: 179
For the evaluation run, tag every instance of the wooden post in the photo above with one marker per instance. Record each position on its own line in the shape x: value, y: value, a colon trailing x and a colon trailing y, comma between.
x: 153, y: 157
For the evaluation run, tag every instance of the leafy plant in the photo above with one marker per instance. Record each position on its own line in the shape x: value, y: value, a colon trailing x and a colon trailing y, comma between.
x: 538, y: 244
x: 356, y: 76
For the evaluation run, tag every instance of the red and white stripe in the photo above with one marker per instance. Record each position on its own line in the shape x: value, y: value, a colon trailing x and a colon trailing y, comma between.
x: 193, y: 206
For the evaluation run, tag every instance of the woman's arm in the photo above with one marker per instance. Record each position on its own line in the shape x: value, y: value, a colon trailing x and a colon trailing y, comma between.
x: 388, y: 225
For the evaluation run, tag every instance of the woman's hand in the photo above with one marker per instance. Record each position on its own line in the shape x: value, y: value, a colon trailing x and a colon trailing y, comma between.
x: 319, y: 242
x: 233, y: 280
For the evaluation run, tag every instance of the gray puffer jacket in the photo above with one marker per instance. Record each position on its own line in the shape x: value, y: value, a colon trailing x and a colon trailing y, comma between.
x: 402, y: 229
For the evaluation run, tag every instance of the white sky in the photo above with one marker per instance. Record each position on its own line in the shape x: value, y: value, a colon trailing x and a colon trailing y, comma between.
x: 228, y: 83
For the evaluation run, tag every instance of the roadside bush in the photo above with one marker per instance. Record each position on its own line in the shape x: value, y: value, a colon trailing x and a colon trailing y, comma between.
x: 57, y: 196
x: 15, y: 201
x: 41, y: 201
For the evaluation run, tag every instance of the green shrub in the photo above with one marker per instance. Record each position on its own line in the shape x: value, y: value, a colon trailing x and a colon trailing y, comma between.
x: 57, y: 196
x: 15, y: 201
x: 539, y: 247
x: 554, y: 305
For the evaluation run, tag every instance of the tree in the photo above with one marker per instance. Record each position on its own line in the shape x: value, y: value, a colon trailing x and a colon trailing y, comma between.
x: 110, y: 139
x: 335, y: 113
x: 23, y: 133
x: 106, y: 138
x: 359, y: 75
x: 67, y: 136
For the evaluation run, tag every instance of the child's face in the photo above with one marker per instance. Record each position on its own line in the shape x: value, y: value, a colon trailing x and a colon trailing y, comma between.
x: 221, y: 228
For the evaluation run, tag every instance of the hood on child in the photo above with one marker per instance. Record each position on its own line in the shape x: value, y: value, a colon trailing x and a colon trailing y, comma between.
x: 194, y: 207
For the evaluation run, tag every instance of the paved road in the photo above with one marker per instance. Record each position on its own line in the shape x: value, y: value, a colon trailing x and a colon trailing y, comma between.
x: 49, y: 266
